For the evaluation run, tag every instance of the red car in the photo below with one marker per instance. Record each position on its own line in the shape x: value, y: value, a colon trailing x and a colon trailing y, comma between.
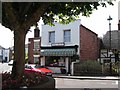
x: 32, y: 68
x: 44, y: 70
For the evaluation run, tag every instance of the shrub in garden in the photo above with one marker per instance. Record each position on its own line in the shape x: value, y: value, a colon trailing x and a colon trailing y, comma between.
x: 116, y: 68
x: 28, y: 80
x: 90, y: 67
x: 106, y: 69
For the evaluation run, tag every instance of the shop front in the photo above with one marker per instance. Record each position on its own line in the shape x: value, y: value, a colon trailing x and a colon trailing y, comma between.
x: 58, y: 58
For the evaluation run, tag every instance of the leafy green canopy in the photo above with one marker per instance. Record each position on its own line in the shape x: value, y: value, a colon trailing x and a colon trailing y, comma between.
x: 68, y: 12
x: 14, y: 14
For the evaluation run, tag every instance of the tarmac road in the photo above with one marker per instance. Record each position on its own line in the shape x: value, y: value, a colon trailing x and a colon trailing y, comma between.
x: 65, y: 83
x: 79, y: 83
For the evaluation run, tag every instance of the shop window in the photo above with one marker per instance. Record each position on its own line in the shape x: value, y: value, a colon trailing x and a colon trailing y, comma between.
x: 55, y: 62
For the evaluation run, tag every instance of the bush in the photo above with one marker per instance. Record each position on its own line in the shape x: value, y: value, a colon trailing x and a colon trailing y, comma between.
x: 27, y: 80
x: 106, y: 70
x: 116, y: 68
x: 89, y: 67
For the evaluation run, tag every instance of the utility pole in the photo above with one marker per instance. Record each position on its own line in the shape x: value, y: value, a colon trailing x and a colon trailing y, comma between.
x: 109, y: 19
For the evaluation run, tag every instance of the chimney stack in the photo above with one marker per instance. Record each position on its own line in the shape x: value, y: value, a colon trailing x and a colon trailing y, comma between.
x: 119, y: 25
x: 36, y: 32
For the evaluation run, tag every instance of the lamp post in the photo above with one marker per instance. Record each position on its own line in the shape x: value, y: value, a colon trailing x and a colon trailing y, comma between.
x: 109, y: 19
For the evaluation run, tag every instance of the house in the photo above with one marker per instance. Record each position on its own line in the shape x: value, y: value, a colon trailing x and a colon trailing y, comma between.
x: 89, y: 44
x: 108, y: 55
x: 4, y: 54
x: 34, y: 47
x: 63, y: 44
x: 115, y: 38
x: 1, y: 53
x: 11, y: 52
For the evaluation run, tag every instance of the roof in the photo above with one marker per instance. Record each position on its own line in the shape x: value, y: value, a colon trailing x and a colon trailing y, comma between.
x: 1, y: 47
x: 88, y: 29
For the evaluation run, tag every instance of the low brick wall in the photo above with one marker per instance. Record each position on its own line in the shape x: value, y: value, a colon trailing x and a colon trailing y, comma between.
x: 50, y: 85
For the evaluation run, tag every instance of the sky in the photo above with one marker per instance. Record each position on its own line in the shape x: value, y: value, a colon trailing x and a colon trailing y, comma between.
x: 97, y: 22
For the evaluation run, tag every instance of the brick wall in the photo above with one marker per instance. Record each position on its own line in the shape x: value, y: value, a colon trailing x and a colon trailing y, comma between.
x: 31, y: 48
x: 89, y: 44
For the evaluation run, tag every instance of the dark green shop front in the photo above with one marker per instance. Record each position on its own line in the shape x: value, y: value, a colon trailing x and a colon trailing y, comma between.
x: 58, y: 52
x: 58, y: 57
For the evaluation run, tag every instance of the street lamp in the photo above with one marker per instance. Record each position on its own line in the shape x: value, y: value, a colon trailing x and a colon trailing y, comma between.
x: 109, y: 19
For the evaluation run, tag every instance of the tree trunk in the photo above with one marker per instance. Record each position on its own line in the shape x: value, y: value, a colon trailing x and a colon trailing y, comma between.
x: 19, y: 53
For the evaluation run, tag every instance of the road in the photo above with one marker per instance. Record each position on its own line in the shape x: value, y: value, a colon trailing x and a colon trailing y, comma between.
x: 77, y: 83
x: 4, y: 67
x: 63, y: 83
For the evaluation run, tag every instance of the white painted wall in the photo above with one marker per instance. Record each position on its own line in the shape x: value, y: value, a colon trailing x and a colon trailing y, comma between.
x: 43, y: 61
x: 59, y: 31
x: 59, y: 28
x: 66, y: 63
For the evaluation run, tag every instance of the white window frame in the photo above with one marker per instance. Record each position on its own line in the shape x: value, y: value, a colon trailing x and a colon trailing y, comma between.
x: 51, y: 39
x: 36, y: 45
x: 67, y: 38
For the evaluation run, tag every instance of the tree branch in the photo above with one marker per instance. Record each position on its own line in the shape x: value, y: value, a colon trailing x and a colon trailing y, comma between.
x: 35, y: 16
x: 23, y: 10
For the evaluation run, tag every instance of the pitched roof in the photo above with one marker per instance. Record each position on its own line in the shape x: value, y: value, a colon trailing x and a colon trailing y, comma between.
x: 1, y: 47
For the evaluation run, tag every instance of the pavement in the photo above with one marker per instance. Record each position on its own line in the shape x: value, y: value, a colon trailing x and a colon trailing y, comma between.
x: 86, y: 77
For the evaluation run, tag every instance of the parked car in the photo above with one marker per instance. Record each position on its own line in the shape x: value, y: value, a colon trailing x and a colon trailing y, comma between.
x: 10, y: 62
x: 31, y: 68
x: 44, y: 70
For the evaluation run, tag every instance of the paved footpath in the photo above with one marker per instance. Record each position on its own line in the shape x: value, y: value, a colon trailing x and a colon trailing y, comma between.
x: 87, y: 77
x: 64, y: 82
x: 4, y: 67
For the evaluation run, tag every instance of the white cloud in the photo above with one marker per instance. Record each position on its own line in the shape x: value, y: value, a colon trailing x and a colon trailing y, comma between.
x: 98, y: 23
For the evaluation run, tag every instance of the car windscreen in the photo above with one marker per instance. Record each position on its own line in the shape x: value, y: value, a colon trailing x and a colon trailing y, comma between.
x: 28, y: 67
x: 38, y: 66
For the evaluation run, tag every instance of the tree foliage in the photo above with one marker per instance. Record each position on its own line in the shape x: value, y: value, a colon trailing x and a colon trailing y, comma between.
x: 20, y: 16
x: 15, y: 13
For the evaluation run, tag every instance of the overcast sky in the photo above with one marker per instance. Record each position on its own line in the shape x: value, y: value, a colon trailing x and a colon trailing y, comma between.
x: 97, y: 22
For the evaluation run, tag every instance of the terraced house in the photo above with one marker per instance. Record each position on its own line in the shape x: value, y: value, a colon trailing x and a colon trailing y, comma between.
x: 63, y: 45
x: 4, y: 54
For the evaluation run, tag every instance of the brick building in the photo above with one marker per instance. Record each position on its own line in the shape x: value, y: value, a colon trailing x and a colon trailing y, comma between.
x: 64, y: 44
x: 34, y: 47
x: 89, y: 44
x: 115, y: 38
